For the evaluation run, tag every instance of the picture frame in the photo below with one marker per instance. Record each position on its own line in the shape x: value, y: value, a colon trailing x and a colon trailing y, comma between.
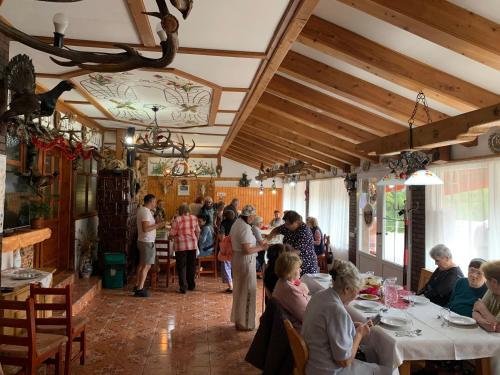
x: 183, y: 190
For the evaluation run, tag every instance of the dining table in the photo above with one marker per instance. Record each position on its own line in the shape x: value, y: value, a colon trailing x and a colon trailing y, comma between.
x: 437, y: 338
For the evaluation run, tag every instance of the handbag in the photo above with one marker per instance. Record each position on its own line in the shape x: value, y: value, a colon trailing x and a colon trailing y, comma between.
x: 225, y: 249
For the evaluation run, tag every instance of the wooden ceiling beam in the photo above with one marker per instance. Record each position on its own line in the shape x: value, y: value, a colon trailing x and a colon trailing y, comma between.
x: 290, y: 26
x: 304, y: 131
x: 238, y: 159
x: 141, y: 22
x: 245, y: 155
x: 258, y: 150
x: 140, y: 47
x: 458, y: 129
x: 440, y: 22
x: 312, y: 119
x: 329, y: 106
x: 353, y: 88
x: 266, y: 131
x: 407, y: 72
x: 321, y: 161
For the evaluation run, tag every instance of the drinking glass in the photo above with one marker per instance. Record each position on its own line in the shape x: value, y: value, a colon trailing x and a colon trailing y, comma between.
x: 390, y: 292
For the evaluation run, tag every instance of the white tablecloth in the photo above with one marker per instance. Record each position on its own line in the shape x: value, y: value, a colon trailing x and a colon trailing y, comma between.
x: 45, y: 278
x: 435, y: 343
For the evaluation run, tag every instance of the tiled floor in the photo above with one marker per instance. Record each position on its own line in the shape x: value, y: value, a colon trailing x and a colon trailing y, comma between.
x: 168, y: 333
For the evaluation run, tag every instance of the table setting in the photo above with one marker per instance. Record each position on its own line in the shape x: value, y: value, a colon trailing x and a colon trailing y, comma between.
x: 19, y: 277
x: 410, y: 327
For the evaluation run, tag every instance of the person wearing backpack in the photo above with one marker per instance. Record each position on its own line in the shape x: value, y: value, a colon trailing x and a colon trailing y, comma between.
x: 227, y: 222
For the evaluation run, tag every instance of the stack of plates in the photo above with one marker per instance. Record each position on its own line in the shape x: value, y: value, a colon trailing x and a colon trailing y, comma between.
x: 368, y: 306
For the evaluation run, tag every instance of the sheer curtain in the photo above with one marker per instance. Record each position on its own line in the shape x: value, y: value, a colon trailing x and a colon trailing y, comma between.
x: 463, y: 212
x: 294, y: 198
x: 329, y: 203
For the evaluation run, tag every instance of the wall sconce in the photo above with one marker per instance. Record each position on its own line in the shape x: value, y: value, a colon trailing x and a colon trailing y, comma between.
x: 130, y: 144
x: 350, y: 182
x: 261, y: 189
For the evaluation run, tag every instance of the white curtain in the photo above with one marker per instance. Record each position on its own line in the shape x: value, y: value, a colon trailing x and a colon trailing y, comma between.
x: 463, y: 212
x: 294, y: 198
x: 329, y: 203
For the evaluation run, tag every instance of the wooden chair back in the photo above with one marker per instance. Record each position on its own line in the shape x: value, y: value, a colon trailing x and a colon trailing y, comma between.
x: 10, y: 336
x: 211, y: 259
x: 326, y: 241
x: 424, y: 278
x: 164, y: 258
x: 59, y: 306
x: 298, y: 346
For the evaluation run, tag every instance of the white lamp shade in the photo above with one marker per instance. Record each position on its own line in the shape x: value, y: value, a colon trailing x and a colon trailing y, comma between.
x: 61, y: 22
x: 423, y: 177
x: 391, y: 179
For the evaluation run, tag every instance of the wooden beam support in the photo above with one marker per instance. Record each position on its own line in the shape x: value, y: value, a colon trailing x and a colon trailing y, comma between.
x: 283, y: 135
x: 294, y: 150
x: 332, y: 107
x: 243, y: 145
x: 274, y: 120
x: 245, y: 155
x: 324, y: 162
x: 440, y: 22
x: 341, y: 43
x: 312, y: 119
x: 141, y: 21
x: 291, y: 25
x: 353, y: 88
x: 119, y: 149
x: 458, y: 129
x: 140, y: 47
x: 238, y: 159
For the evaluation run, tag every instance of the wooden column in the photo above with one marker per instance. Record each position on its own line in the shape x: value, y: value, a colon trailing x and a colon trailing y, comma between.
x: 120, y: 136
x: 353, y: 229
x: 417, y: 230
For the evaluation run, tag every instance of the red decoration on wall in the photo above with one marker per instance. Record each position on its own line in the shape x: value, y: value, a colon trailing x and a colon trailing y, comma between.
x: 62, y: 145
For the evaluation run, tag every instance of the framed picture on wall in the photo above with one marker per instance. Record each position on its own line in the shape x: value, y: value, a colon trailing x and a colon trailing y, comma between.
x: 183, y: 190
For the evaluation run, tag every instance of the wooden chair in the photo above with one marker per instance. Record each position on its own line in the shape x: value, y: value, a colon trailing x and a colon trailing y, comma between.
x: 424, y: 278
x: 61, y: 321
x: 210, y: 260
x: 30, y: 349
x: 322, y: 259
x: 299, y: 348
x: 164, y: 260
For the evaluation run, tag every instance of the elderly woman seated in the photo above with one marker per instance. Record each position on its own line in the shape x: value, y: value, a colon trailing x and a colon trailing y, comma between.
x: 329, y: 332
x: 444, y: 278
x: 292, y: 295
x: 486, y: 311
x: 270, y: 277
x: 468, y: 290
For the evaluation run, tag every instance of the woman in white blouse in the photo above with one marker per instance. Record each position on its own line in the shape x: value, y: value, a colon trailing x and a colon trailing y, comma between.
x: 332, y: 337
x: 244, y: 276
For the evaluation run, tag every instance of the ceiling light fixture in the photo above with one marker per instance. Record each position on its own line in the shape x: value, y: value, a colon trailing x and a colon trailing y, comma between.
x: 273, y: 187
x: 104, y: 61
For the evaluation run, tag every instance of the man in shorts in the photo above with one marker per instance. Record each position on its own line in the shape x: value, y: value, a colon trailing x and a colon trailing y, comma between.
x: 146, y: 229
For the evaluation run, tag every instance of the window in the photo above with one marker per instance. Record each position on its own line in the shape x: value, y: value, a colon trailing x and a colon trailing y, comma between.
x: 394, y: 231
x: 85, y: 188
x: 329, y: 203
x: 463, y: 212
x: 294, y: 198
x: 367, y: 212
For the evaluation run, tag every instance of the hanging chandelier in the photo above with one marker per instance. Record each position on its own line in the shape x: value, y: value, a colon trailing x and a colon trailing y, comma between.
x: 157, y: 141
x: 129, y: 59
x: 410, y: 168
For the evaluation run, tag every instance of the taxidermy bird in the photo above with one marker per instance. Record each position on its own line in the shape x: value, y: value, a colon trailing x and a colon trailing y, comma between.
x: 183, y: 6
x: 20, y: 76
x: 39, y: 182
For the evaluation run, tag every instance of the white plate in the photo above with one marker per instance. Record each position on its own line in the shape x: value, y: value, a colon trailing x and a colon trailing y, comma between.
x: 394, y: 321
x: 369, y: 297
x: 419, y: 300
x: 367, y: 305
x: 460, y: 320
x: 320, y: 276
x: 24, y: 275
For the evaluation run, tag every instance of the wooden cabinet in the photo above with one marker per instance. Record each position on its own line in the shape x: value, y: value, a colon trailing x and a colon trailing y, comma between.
x: 117, y: 213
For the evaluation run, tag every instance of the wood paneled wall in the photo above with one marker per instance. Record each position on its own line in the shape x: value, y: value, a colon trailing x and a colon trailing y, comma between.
x: 156, y: 186
x: 265, y: 204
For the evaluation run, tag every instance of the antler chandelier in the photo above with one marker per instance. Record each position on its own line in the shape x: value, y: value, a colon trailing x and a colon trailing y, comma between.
x: 103, y: 61
x: 158, y: 141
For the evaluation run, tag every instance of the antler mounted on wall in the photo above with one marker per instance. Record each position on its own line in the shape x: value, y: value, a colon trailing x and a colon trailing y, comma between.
x: 114, y: 62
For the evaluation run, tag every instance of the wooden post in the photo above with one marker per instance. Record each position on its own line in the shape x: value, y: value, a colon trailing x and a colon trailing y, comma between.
x: 120, y: 136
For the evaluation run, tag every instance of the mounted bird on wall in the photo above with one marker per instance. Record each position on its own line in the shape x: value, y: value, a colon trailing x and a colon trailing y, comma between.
x: 20, y: 77
x: 39, y: 182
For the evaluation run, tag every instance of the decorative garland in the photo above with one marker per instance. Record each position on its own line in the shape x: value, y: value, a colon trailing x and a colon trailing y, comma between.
x: 61, y: 144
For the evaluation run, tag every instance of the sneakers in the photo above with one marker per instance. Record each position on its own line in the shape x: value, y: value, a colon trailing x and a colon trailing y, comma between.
x: 229, y: 291
x: 142, y: 293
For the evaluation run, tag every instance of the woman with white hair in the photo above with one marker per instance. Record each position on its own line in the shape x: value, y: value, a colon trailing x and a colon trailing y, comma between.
x: 332, y: 337
x: 442, y: 282
x: 261, y: 255
x: 244, y: 278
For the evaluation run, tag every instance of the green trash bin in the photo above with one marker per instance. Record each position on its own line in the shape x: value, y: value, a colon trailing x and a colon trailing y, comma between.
x: 114, y: 270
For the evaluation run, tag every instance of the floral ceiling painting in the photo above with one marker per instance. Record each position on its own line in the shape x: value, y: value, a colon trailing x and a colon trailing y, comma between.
x: 130, y: 96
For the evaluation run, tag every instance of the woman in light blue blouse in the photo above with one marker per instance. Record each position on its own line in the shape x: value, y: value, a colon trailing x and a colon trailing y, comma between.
x: 331, y: 336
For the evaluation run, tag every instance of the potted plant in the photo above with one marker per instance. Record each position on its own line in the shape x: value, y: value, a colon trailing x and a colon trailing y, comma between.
x: 38, y: 211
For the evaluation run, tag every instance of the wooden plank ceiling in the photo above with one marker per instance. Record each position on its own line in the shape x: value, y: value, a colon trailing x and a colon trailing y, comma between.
x: 346, y: 88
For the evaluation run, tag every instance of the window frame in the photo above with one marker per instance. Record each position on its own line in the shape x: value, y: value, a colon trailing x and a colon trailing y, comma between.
x: 88, y: 176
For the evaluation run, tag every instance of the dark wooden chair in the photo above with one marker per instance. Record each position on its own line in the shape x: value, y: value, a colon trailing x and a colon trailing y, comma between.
x: 164, y: 261
x: 61, y: 321
x: 29, y: 349
x: 424, y: 278
x: 322, y: 259
x: 211, y: 260
x: 299, y: 348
